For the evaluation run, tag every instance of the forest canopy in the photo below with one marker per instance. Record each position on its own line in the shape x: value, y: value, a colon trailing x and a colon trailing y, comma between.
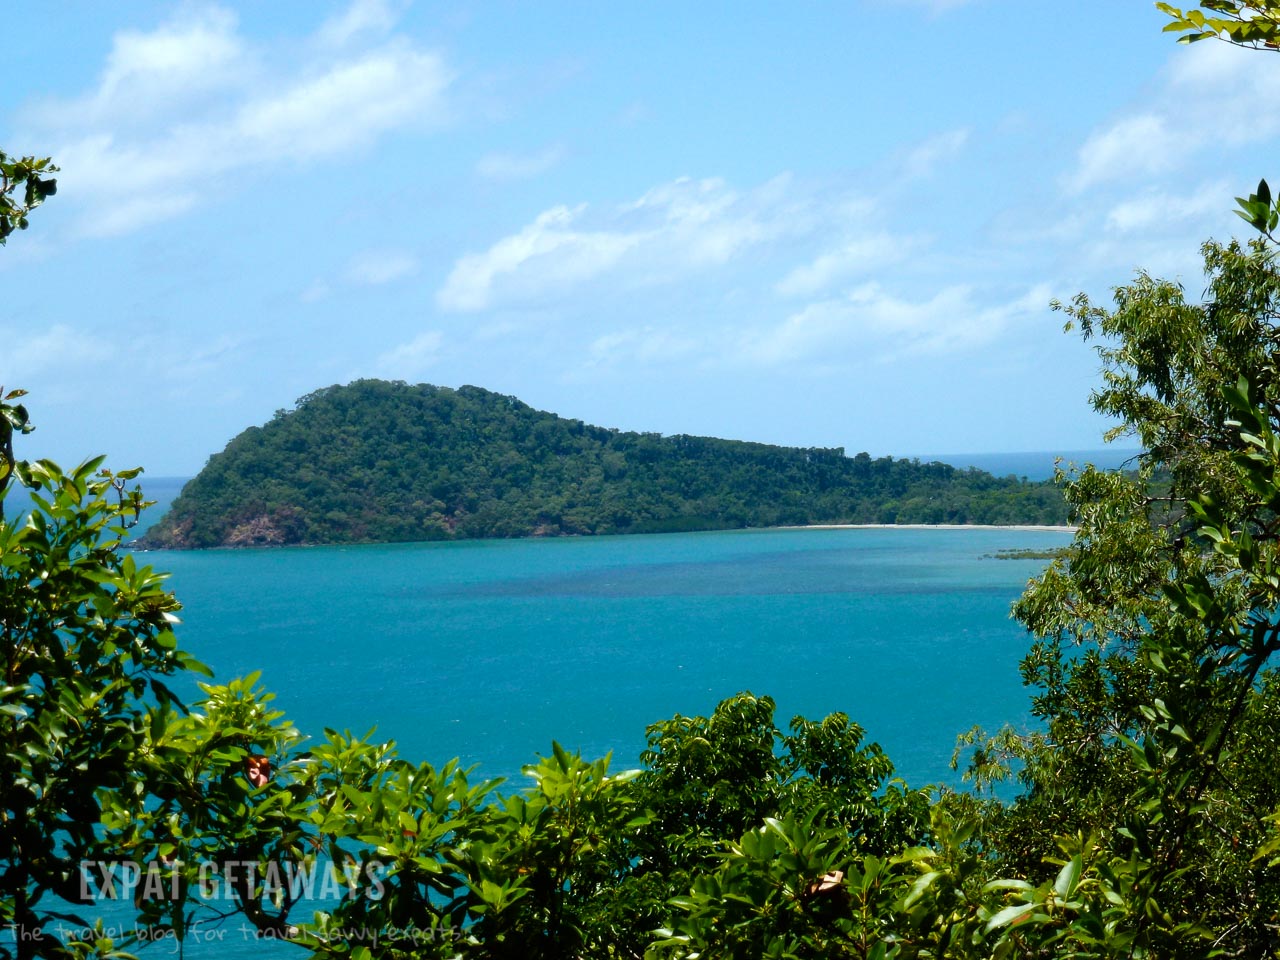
x: 379, y: 461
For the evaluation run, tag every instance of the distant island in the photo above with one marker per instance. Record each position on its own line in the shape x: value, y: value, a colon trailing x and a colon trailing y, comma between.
x: 379, y: 462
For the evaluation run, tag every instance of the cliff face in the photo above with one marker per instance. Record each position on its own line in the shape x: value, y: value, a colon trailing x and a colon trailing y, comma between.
x: 375, y: 461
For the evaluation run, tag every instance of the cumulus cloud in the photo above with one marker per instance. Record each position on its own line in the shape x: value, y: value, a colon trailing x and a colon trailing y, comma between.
x: 669, y: 232
x: 179, y: 109
x: 1209, y: 96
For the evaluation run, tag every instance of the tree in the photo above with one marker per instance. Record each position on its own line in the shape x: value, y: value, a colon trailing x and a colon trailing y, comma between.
x: 1154, y: 634
x: 1154, y: 631
x: 1255, y: 23
x: 86, y: 644
x: 30, y: 175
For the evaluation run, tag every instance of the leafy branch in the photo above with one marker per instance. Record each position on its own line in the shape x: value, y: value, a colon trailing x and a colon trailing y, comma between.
x: 24, y: 185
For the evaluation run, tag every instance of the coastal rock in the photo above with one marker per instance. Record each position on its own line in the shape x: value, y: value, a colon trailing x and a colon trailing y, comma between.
x: 260, y: 531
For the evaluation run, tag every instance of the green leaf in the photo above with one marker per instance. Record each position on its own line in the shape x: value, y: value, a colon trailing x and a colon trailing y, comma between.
x: 1009, y: 914
x: 1065, y: 884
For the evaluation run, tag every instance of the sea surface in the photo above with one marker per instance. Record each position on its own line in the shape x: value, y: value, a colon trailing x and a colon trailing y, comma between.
x: 490, y: 650
x: 1039, y: 466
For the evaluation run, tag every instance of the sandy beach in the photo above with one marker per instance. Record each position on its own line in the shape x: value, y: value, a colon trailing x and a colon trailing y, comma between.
x: 933, y: 526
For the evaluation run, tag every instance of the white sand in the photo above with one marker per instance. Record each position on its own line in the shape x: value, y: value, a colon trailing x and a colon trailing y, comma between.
x: 933, y: 526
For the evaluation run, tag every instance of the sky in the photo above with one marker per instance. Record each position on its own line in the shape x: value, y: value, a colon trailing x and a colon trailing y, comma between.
x: 822, y: 224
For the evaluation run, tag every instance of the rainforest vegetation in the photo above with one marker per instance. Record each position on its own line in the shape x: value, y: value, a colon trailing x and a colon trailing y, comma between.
x: 1140, y: 819
x: 378, y: 461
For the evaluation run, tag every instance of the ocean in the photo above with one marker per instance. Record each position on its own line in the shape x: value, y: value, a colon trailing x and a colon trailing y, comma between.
x: 1039, y: 466
x: 490, y: 650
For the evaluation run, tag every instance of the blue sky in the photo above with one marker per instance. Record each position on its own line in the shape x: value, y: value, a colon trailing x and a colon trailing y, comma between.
x: 831, y: 224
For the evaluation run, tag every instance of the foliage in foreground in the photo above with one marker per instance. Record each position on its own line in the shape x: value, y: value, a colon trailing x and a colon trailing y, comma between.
x: 1144, y: 826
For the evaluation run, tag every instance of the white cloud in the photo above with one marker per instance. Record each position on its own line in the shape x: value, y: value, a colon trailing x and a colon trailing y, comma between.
x: 865, y: 324
x: 376, y: 267
x: 1220, y: 95
x: 180, y: 52
x: 868, y: 321
x: 648, y: 345
x: 546, y: 254
x: 348, y: 104
x: 60, y: 347
x: 72, y: 358
x: 371, y: 268
x: 678, y: 227
x: 410, y: 359
x: 858, y: 255
x: 133, y: 212
x: 215, y: 111
x: 362, y: 18
x: 1158, y: 210
x: 519, y: 166
x: 150, y: 73
x: 1142, y: 144
x: 1211, y: 95
x: 704, y: 219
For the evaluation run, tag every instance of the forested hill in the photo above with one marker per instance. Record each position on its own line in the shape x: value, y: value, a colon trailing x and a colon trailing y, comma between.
x: 376, y: 461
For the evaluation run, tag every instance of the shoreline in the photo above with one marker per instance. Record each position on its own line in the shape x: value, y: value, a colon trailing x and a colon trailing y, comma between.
x: 138, y: 547
x: 1027, y: 527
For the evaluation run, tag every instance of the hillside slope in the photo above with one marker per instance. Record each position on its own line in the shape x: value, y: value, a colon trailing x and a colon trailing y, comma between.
x: 377, y: 461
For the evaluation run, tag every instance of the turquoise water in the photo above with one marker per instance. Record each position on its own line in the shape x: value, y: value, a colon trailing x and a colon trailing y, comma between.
x: 489, y: 650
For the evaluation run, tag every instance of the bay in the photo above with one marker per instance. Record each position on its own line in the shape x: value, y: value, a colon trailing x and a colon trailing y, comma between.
x: 489, y: 650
